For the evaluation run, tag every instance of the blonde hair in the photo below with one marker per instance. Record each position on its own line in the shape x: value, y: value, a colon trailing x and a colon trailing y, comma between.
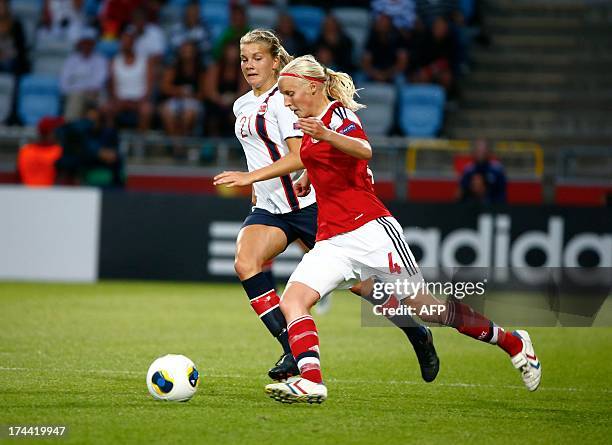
x: 337, y: 85
x: 271, y: 42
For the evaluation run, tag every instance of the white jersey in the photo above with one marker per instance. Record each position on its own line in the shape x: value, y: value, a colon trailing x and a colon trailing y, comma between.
x: 263, y: 124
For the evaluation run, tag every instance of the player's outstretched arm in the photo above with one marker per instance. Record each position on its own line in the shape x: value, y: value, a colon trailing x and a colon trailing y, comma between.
x: 356, y: 147
x: 289, y: 163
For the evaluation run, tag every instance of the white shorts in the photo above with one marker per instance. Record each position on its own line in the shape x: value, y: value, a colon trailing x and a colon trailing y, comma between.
x: 375, y: 250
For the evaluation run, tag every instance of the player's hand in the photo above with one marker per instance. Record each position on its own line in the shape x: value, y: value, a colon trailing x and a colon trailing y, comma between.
x: 233, y: 179
x: 302, y: 186
x: 314, y: 128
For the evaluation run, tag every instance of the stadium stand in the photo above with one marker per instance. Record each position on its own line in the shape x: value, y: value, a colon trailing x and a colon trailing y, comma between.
x: 543, y: 79
x: 421, y: 110
x: 38, y: 96
x: 7, y: 87
x: 308, y: 20
x: 377, y: 117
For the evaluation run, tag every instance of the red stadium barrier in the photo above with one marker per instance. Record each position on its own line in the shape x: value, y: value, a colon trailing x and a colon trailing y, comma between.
x: 446, y: 190
x: 582, y: 195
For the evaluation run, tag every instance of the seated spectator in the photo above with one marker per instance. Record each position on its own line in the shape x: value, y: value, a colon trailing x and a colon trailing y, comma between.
x: 103, y: 163
x: 183, y: 85
x: 150, y: 38
x: 61, y: 21
x: 384, y: 58
x: 238, y: 27
x: 224, y: 84
x: 131, y: 84
x: 192, y: 28
x: 334, y: 40
x: 484, y: 180
x: 402, y: 13
x: 36, y: 162
x: 83, y: 75
x: 429, y: 10
x: 13, y: 50
x: 292, y: 39
x: 433, y: 58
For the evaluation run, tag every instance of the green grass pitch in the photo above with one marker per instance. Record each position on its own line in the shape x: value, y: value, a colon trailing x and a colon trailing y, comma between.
x: 77, y: 355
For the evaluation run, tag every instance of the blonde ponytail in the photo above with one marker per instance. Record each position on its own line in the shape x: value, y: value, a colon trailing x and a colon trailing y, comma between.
x: 271, y: 42
x: 340, y: 86
x: 337, y: 85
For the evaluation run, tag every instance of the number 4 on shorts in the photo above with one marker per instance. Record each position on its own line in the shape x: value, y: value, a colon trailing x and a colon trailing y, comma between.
x: 393, y: 267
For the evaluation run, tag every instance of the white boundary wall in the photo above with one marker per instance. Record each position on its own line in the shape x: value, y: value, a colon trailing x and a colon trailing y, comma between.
x: 49, y: 234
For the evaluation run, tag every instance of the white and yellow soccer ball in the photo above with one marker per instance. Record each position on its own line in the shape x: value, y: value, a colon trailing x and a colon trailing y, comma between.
x: 173, y: 378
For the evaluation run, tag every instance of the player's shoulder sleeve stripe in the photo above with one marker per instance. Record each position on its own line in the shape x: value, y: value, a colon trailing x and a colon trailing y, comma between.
x: 352, y: 116
x: 336, y: 121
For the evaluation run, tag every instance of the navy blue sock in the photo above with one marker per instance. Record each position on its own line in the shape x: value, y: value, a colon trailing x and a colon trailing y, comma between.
x: 265, y: 303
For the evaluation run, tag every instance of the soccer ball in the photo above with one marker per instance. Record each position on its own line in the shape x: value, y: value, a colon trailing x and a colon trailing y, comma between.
x: 173, y: 377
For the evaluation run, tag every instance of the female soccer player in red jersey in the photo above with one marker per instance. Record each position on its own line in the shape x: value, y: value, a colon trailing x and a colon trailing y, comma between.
x: 356, y: 234
x: 270, y: 137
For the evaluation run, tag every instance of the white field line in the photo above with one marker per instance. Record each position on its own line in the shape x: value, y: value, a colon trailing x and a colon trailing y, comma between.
x: 349, y: 381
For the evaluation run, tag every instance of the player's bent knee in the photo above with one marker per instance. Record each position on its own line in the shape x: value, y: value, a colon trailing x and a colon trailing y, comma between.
x: 247, y: 267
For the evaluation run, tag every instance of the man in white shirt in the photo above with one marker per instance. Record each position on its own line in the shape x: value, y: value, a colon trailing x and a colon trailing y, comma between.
x: 83, y: 75
x: 150, y: 37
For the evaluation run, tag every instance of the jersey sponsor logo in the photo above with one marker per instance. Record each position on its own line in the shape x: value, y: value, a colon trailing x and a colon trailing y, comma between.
x: 350, y: 127
x: 296, y: 126
x: 263, y: 108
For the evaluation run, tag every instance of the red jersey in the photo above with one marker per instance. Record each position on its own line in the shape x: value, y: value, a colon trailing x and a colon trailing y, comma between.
x: 345, y: 195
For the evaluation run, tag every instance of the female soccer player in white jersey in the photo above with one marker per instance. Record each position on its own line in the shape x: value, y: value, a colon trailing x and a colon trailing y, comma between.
x: 270, y: 137
x: 356, y: 235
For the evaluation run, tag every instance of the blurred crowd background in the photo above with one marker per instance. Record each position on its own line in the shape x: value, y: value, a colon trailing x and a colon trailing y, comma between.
x: 121, y: 89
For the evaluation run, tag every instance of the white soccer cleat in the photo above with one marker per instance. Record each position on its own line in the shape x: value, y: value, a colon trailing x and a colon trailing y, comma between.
x: 297, y: 390
x: 527, y: 362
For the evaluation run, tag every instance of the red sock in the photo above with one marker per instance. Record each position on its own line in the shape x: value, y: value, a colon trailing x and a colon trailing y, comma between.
x: 469, y: 322
x: 304, y: 342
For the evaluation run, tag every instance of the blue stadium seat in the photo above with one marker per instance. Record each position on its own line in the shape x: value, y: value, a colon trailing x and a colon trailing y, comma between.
x: 39, y: 96
x: 422, y: 110
x: 26, y: 8
x: 216, y: 16
x: 467, y: 9
x: 379, y: 98
x: 308, y: 20
x: 262, y: 16
x: 356, y: 24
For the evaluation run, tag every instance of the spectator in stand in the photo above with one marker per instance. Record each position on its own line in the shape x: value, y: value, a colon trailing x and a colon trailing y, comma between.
x: 131, y: 84
x: 183, y: 84
x: 484, y: 180
x: 292, y: 39
x: 237, y: 28
x: 402, y: 13
x: 433, y: 58
x: 224, y: 84
x: 429, y: 10
x: 36, y: 162
x: 333, y: 40
x: 385, y: 58
x: 150, y: 38
x: 83, y: 75
x: 61, y: 21
x: 13, y: 49
x: 192, y: 28
x: 115, y: 15
x: 102, y: 154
